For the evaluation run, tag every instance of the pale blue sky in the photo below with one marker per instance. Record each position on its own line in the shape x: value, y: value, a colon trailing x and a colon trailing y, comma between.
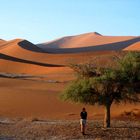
x: 43, y: 20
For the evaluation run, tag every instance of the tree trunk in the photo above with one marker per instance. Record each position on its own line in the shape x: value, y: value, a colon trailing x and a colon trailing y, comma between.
x: 107, y: 116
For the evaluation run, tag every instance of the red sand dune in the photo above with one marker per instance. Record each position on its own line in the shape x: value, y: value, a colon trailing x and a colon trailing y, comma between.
x: 75, y: 44
x: 87, y: 43
x: 84, y: 40
x: 25, y: 51
x: 13, y: 47
x: 17, y: 67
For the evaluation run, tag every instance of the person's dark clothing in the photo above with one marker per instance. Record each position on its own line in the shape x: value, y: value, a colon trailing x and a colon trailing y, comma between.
x: 83, y: 115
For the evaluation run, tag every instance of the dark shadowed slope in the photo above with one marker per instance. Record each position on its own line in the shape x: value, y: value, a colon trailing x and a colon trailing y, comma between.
x: 29, y: 46
x: 133, y: 47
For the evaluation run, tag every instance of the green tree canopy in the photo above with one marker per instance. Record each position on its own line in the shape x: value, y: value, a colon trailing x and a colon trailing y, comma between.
x: 105, y: 85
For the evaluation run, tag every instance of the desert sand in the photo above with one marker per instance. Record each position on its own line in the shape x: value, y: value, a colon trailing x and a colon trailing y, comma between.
x: 44, y: 73
x: 39, y: 98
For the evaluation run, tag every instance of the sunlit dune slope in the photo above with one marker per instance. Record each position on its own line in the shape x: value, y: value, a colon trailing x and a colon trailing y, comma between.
x: 52, y: 65
x: 9, y: 66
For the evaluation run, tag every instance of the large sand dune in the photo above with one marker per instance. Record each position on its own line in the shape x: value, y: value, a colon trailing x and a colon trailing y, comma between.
x: 18, y: 49
x: 16, y: 59
x: 88, y: 42
x: 23, y: 51
x: 83, y: 40
x: 22, y: 56
x: 74, y: 49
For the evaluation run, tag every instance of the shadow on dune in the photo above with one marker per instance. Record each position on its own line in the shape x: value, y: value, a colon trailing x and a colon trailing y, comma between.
x: 117, y: 46
x: 11, y: 58
x: 30, y: 46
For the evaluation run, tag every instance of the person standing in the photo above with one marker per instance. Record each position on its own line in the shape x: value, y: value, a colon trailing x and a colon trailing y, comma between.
x: 83, y: 120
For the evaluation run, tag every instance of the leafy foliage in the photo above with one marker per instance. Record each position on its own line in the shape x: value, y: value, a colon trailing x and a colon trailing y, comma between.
x: 98, y: 85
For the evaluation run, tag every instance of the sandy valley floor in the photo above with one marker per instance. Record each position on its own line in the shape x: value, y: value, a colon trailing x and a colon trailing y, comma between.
x: 40, y: 98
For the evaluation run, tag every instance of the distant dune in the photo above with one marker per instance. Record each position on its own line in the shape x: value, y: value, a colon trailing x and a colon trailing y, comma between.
x: 88, y: 42
x: 84, y: 40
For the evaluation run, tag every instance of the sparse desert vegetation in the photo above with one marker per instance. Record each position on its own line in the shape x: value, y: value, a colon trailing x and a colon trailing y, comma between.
x: 105, y: 85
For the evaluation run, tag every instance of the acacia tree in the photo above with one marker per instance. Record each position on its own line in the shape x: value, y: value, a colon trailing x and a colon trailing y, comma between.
x: 103, y: 86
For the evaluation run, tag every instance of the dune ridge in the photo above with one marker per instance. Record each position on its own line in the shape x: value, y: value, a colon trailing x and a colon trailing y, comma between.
x: 83, y: 40
x: 115, y: 46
